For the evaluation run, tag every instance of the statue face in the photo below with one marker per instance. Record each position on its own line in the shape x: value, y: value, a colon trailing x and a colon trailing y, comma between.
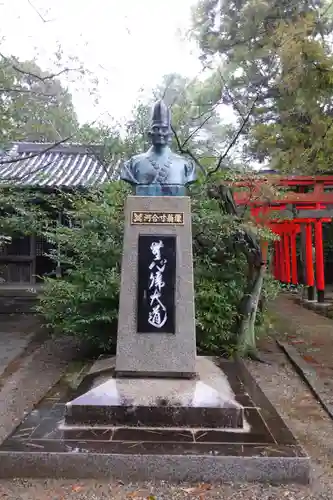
x: 159, y: 135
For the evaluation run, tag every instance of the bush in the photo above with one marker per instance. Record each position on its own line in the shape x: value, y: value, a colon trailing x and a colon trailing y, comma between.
x: 85, y: 302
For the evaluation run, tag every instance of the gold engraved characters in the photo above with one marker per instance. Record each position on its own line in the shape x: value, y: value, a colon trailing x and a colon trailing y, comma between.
x: 157, y: 218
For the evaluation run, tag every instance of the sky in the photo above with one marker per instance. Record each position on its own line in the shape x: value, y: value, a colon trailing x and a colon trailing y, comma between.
x: 127, y: 45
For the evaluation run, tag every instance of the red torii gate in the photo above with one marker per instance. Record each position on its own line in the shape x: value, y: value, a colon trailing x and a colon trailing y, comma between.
x: 307, y: 204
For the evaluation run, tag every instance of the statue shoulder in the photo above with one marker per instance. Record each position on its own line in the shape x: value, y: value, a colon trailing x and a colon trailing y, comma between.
x: 138, y: 158
x: 128, y: 170
x: 131, y: 162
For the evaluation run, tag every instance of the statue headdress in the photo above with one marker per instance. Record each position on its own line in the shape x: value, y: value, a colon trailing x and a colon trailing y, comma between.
x: 161, y: 115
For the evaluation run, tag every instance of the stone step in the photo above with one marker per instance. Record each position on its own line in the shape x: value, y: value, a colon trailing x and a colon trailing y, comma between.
x: 155, y: 416
x: 206, y: 401
x: 16, y: 305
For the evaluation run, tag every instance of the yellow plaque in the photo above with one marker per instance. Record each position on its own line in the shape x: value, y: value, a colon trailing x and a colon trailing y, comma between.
x: 158, y: 218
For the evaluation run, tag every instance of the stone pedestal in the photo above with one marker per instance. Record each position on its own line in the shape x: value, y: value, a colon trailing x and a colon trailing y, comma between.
x: 206, y: 402
x: 156, y: 323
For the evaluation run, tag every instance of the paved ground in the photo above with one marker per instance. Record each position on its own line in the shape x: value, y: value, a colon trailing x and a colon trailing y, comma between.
x: 34, y: 364
x: 15, y: 334
x: 295, y: 404
x: 287, y: 392
x: 311, y: 334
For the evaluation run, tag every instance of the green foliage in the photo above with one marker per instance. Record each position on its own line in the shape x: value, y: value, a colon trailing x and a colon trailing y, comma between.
x: 84, y: 302
x: 195, y: 117
x: 278, y: 55
x: 221, y: 271
x: 301, y: 136
x: 219, y: 275
x: 34, y: 105
x: 219, y: 288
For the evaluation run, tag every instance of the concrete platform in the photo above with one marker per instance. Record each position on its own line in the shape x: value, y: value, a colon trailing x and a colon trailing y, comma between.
x: 262, y: 450
x: 207, y: 401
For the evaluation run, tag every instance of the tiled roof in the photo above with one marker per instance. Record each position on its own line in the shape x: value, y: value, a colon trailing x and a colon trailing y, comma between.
x: 47, y: 165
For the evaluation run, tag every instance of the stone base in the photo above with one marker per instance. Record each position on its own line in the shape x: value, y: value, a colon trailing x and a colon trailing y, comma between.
x: 171, y: 468
x: 262, y: 450
x: 158, y: 353
x: 207, y: 401
x: 315, y: 303
x: 322, y: 308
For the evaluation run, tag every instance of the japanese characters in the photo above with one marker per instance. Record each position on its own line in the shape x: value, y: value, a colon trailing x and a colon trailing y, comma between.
x: 157, y: 264
x: 158, y: 314
x: 148, y: 217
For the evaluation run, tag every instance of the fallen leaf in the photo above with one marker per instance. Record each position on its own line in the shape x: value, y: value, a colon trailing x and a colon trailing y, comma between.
x: 197, y: 490
x: 310, y: 359
x: 136, y: 494
x: 76, y: 488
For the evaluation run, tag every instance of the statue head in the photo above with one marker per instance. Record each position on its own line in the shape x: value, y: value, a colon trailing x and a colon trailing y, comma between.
x: 160, y: 130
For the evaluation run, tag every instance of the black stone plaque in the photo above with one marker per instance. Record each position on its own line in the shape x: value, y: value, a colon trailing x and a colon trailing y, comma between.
x: 156, y: 284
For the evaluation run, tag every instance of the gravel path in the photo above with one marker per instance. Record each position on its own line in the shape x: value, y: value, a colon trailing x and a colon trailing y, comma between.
x: 294, y: 402
x: 296, y: 405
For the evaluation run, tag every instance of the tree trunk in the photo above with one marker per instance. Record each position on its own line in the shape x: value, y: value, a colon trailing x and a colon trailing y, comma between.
x: 247, y: 339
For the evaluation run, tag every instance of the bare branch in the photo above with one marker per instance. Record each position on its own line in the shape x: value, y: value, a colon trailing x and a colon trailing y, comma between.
x: 212, y: 108
x: 235, y: 138
x: 38, y: 13
x: 45, y: 78
x: 231, y: 97
x: 102, y: 162
x: 25, y: 91
x: 177, y: 139
x: 196, y: 130
x: 27, y: 174
x: 187, y: 152
x: 34, y: 75
x: 168, y: 85
x: 33, y: 155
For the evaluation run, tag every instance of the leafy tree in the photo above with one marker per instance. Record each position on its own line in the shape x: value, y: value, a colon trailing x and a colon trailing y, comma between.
x: 110, y: 147
x: 84, y: 302
x: 228, y: 268
x: 276, y: 55
x: 34, y: 105
x: 195, y: 118
x: 300, y: 139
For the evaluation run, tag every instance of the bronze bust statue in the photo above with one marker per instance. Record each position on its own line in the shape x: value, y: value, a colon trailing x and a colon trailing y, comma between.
x: 159, y: 171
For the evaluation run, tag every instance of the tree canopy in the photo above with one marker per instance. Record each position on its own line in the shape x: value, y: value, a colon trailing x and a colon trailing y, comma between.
x: 228, y: 266
x: 34, y: 105
x: 276, y: 63
x: 198, y: 128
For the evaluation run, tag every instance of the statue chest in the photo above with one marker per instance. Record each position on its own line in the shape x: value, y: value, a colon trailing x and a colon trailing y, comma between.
x: 155, y: 170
